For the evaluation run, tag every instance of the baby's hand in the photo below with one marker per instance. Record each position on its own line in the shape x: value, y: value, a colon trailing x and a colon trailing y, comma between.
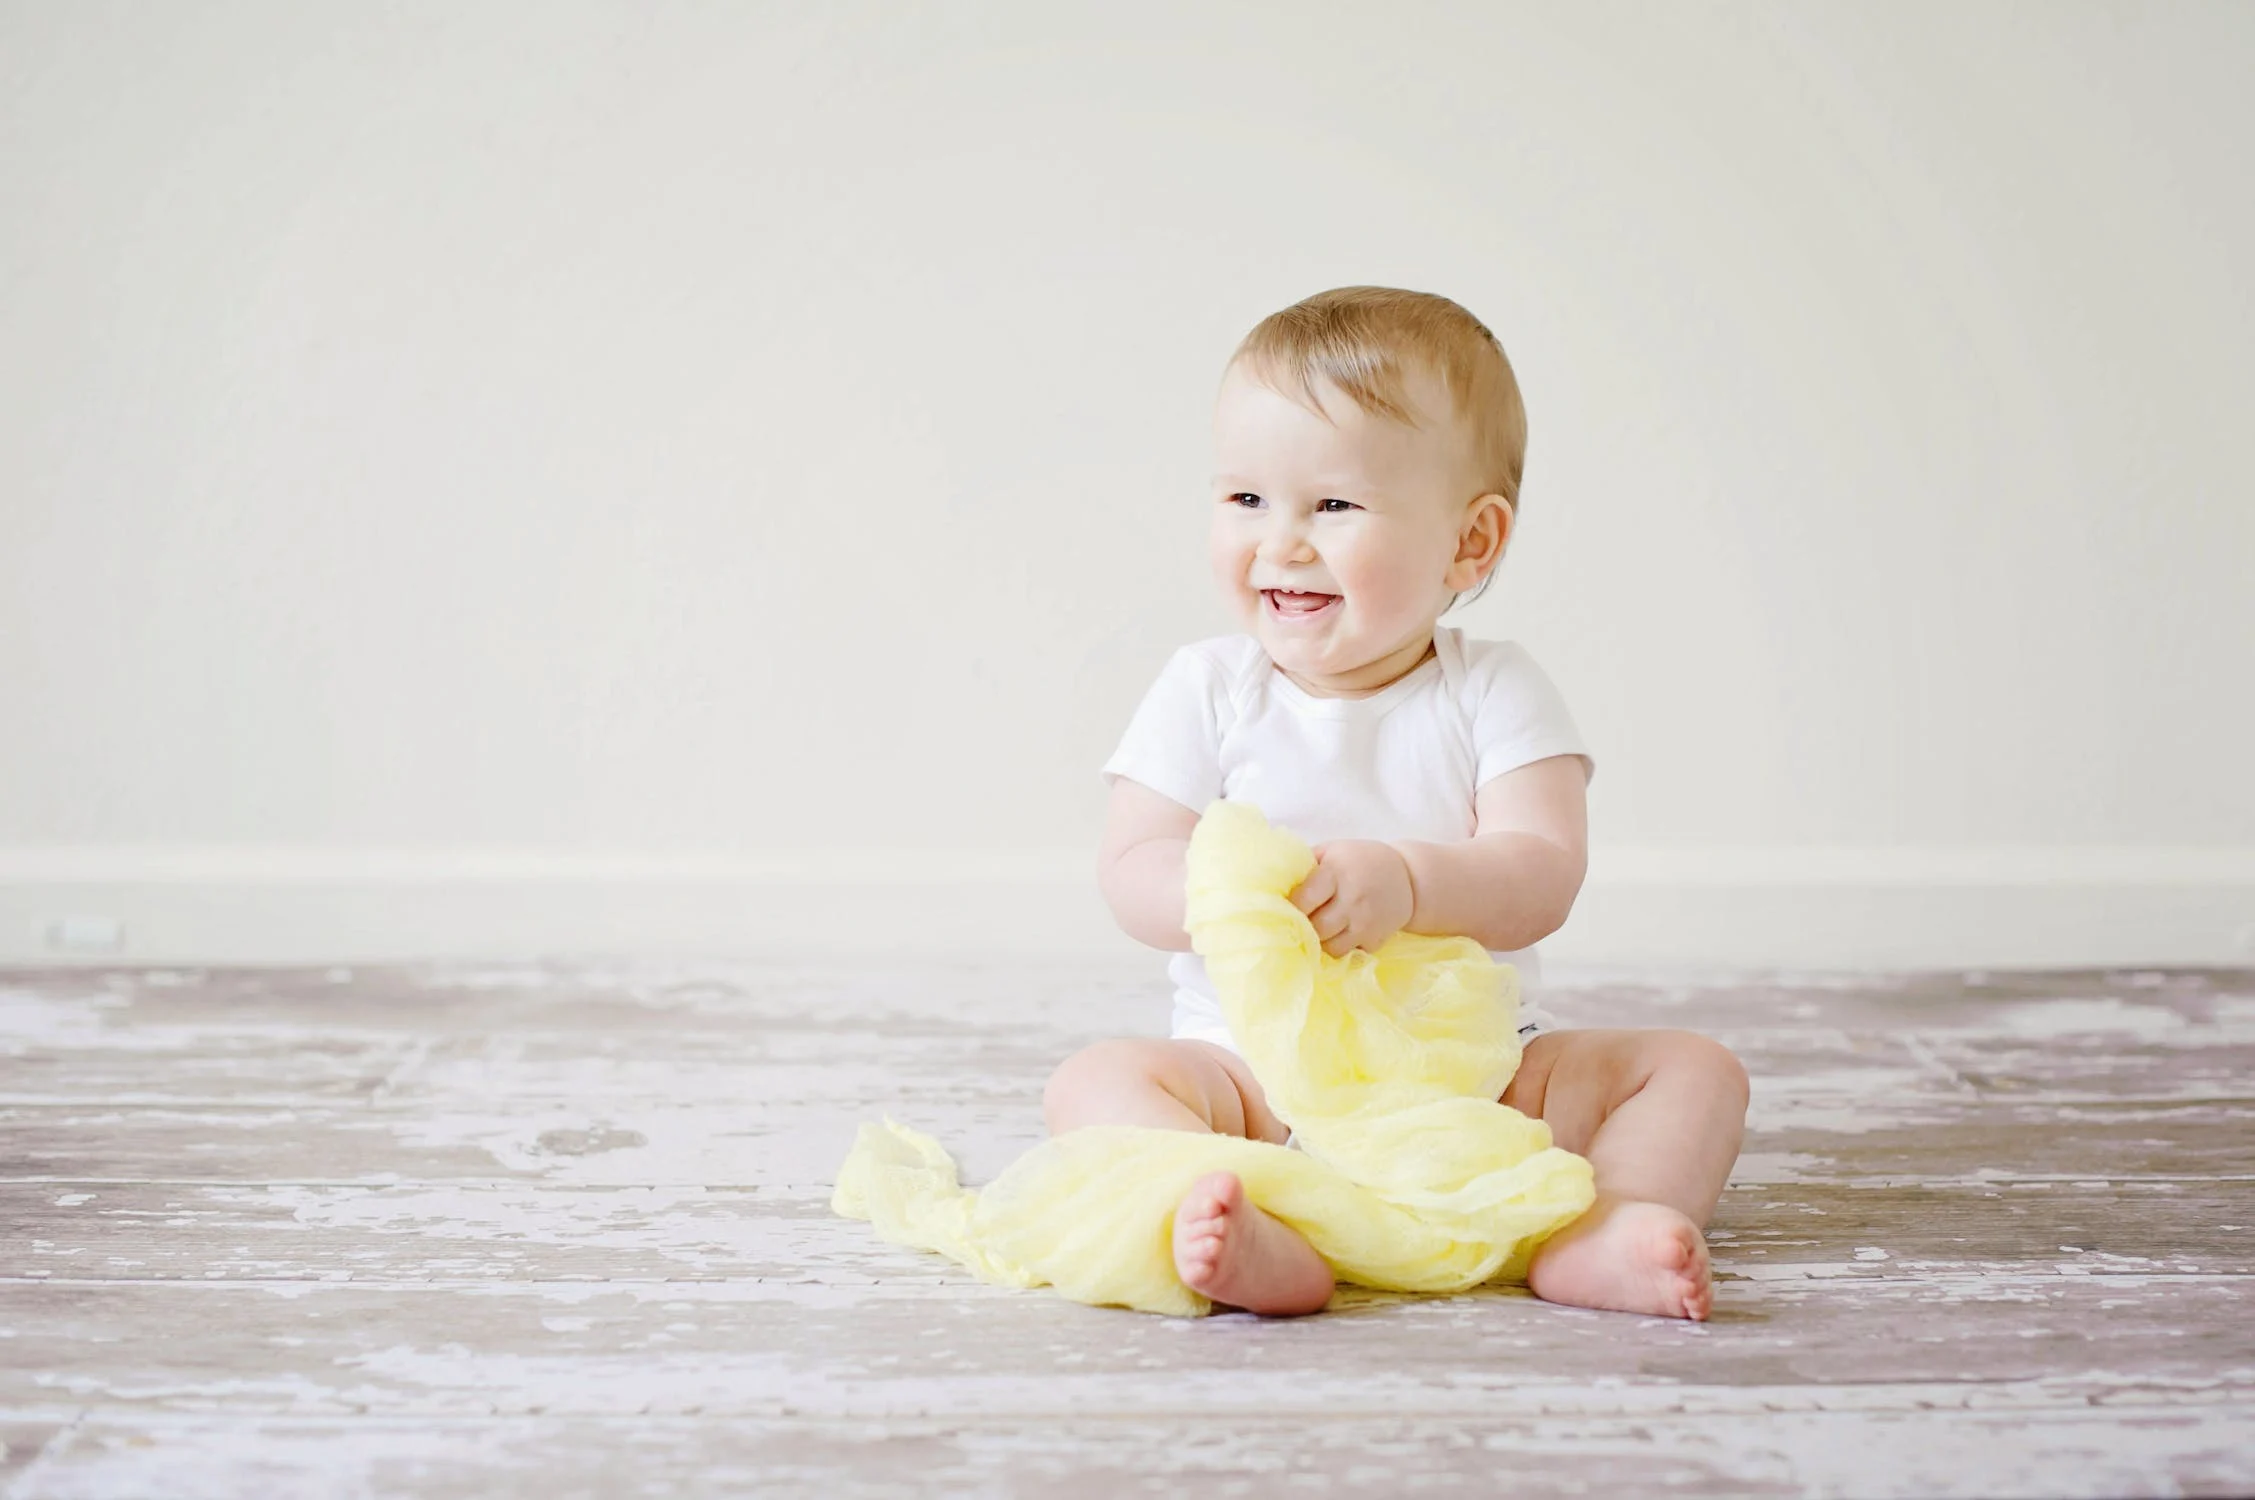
x: 1358, y: 895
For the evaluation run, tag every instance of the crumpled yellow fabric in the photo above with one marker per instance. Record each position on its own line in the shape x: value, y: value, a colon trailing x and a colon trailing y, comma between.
x: 1408, y: 1176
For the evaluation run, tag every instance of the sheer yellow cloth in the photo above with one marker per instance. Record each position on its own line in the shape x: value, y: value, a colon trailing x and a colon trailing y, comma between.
x: 1408, y: 1175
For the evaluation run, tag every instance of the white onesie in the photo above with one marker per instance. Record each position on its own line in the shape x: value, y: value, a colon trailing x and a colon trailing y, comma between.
x: 1401, y: 763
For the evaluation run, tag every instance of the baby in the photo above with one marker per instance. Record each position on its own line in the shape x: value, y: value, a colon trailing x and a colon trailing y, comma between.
x: 1369, y: 444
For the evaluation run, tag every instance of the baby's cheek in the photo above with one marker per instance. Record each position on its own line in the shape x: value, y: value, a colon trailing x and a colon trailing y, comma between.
x: 1383, y: 592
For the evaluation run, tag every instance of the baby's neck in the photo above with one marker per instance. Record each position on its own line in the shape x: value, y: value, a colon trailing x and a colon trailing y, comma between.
x: 1371, y: 677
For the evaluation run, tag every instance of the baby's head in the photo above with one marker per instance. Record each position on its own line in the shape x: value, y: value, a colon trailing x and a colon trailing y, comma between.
x: 1368, y: 445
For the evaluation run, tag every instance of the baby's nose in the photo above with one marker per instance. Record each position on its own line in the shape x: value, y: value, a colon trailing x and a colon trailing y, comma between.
x: 1285, y: 539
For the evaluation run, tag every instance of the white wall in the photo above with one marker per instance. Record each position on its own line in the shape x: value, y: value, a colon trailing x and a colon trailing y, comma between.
x: 512, y: 477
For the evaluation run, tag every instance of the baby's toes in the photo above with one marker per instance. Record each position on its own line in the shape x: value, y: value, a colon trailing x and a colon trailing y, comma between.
x: 1212, y: 1196
x: 1697, y: 1284
x: 1201, y: 1219
x: 1698, y: 1296
x: 1231, y: 1193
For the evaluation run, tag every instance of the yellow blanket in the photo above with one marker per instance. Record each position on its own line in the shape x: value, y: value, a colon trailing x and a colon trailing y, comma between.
x: 1408, y: 1176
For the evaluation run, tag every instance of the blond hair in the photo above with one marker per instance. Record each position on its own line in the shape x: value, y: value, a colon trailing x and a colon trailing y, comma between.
x: 1363, y: 339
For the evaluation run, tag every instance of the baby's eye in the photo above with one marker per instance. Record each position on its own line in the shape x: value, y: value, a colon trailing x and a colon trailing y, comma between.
x: 1245, y: 495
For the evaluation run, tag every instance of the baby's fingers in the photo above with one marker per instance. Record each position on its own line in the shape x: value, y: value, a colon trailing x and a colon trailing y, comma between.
x: 1331, y: 925
x: 1320, y: 886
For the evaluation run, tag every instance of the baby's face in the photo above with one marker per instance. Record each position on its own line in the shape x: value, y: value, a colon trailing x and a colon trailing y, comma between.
x: 1335, y: 546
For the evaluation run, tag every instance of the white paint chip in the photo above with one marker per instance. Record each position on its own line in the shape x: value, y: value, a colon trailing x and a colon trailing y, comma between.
x: 2058, y: 1018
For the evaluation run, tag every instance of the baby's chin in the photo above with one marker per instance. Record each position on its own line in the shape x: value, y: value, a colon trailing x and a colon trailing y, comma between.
x: 1338, y: 651
x: 1329, y: 652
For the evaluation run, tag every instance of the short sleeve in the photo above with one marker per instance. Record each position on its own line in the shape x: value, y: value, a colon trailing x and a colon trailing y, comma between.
x: 1518, y: 714
x: 1173, y: 744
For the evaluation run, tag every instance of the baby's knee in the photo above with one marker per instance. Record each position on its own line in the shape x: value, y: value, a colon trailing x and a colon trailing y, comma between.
x: 1080, y: 1085
x: 1717, y: 1068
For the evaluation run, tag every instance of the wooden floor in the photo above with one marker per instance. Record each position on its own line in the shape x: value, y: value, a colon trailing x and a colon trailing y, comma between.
x: 563, y: 1231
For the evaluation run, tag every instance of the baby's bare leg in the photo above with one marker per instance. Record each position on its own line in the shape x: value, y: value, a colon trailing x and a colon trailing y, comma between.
x: 1224, y: 1245
x: 1173, y: 1085
x: 1660, y: 1115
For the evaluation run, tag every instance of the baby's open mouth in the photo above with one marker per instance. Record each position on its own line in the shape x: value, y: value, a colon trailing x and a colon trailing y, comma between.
x: 1289, y: 604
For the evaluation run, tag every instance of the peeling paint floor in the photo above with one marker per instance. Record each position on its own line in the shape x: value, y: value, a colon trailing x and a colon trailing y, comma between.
x: 562, y: 1230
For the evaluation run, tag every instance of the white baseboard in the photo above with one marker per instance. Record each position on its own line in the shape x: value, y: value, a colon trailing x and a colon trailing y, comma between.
x: 1719, y: 908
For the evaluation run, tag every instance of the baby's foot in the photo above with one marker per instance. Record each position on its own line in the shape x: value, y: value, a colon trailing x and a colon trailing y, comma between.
x: 1228, y: 1249
x: 1630, y: 1257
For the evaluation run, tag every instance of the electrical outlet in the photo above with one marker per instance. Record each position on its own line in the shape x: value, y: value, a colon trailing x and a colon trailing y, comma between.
x: 87, y: 934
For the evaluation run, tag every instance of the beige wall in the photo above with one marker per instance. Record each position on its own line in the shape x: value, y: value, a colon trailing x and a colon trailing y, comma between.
x: 517, y: 476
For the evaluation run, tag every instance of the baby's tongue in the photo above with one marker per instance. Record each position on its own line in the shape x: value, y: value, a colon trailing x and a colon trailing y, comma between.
x: 1303, y: 603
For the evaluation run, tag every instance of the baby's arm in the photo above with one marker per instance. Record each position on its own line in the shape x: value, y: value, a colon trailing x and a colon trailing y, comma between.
x: 1512, y: 883
x: 1140, y: 863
